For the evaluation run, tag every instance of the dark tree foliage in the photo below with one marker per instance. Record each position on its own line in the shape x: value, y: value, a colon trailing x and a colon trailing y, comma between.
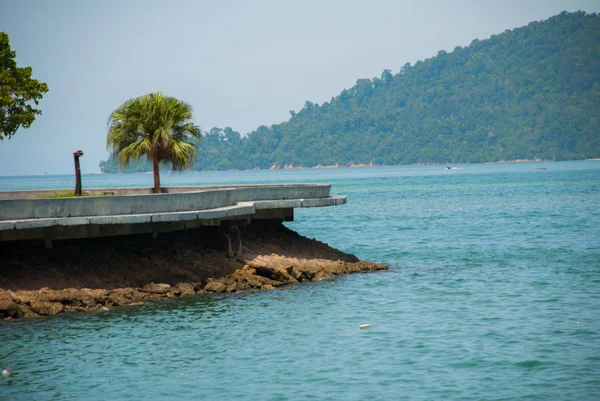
x: 18, y: 92
x: 532, y: 92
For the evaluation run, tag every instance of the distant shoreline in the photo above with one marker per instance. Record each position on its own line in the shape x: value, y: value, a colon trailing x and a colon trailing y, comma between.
x: 322, y: 167
x: 371, y: 165
x: 291, y: 167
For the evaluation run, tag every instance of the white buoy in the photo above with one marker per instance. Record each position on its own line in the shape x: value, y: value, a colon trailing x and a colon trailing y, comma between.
x: 364, y: 326
x: 6, y: 372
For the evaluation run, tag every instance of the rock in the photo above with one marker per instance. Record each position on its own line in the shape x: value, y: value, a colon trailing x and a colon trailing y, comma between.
x: 71, y: 308
x: 322, y: 275
x: 296, y: 273
x: 23, y: 297
x: 251, y: 280
x: 47, y: 308
x: 71, y: 296
x: 121, y: 296
x: 187, y: 288
x: 56, y: 307
x: 278, y: 273
x: 27, y: 313
x: 98, y: 295
x: 8, y: 307
x: 156, y: 288
x: 308, y: 275
x: 215, y: 286
x: 281, y: 274
x: 242, y: 286
x: 267, y: 287
x: 262, y: 271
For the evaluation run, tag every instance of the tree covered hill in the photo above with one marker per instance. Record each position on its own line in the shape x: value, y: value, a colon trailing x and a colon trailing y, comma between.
x: 532, y: 92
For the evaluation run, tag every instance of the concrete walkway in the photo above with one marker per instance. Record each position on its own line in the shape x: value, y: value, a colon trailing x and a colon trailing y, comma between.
x: 24, y: 215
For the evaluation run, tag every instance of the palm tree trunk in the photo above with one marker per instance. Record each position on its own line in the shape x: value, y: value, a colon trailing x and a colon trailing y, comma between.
x: 157, y: 188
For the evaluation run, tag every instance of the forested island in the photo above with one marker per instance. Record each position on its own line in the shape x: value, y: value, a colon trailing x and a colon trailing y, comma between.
x: 528, y: 93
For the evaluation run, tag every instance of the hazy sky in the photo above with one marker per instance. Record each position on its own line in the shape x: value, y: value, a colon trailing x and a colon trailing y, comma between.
x: 238, y: 63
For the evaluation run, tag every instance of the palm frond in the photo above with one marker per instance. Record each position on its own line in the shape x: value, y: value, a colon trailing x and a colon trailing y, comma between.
x: 135, y: 150
x: 182, y: 153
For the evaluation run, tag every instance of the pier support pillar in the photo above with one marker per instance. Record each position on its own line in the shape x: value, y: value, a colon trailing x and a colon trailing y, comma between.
x: 235, y: 241
x: 226, y: 238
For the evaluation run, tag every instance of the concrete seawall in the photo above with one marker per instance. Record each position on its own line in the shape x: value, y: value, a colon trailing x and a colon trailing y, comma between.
x: 26, y: 215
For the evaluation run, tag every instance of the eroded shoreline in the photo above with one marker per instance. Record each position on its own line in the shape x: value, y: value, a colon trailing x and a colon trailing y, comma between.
x: 96, y: 274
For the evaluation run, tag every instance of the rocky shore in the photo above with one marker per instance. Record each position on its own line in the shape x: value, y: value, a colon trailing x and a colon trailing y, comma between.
x: 99, y: 274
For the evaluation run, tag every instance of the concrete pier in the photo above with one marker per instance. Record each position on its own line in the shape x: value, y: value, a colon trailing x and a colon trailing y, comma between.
x: 26, y: 215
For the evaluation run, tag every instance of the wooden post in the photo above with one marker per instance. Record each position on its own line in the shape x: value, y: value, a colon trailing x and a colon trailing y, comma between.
x: 76, y: 156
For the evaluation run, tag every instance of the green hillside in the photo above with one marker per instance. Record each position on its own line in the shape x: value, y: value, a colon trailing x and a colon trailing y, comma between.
x: 532, y: 92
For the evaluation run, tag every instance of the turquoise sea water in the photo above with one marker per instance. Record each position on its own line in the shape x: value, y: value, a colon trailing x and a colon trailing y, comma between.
x: 493, y: 293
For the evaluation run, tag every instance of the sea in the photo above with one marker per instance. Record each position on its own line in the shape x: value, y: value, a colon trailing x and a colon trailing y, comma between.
x: 493, y: 293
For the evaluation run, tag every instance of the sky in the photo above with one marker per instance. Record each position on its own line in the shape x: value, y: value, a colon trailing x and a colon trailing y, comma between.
x: 240, y: 64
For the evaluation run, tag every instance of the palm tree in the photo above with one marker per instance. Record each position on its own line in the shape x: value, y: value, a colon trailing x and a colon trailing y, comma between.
x: 156, y: 126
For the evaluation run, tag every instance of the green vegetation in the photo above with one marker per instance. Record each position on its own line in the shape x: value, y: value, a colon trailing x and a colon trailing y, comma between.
x: 17, y: 92
x: 532, y: 92
x: 156, y: 127
x: 69, y: 194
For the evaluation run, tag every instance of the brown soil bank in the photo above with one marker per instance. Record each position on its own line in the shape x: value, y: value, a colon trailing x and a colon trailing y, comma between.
x: 95, y: 274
